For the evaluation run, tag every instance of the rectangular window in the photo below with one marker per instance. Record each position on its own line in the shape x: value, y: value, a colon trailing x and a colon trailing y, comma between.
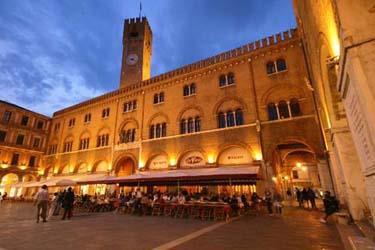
x: 84, y: 144
x: 57, y: 127
x: 87, y: 118
x: 52, y: 149
x: 3, y: 135
x: 40, y: 125
x: 15, y: 158
x: 24, y: 120
x: 6, y: 116
x: 36, y: 143
x: 32, y: 161
x: 295, y: 174
x: 68, y: 147
x: 105, y: 113
x: 102, y: 140
x: 19, y: 140
x: 130, y: 106
x: 72, y: 122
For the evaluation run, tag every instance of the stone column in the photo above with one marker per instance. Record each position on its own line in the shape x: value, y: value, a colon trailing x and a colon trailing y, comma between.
x: 324, y: 174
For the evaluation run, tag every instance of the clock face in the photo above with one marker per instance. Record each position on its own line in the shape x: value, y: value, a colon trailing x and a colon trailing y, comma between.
x: 132, y: 59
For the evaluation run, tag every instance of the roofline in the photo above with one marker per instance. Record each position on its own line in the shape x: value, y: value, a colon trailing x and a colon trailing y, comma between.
x: 25, y: 109
x: 266, y: 42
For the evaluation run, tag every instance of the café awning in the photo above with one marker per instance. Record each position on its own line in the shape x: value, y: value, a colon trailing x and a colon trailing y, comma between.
x: 186, y: 176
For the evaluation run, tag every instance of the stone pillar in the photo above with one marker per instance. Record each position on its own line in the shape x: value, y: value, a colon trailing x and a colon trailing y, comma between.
x: 354, y: 186
x: 324, y: 174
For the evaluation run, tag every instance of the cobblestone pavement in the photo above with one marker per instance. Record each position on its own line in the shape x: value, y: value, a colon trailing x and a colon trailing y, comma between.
x: 297, y: 229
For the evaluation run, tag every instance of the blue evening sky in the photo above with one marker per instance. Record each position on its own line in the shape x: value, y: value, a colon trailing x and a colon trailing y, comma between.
x: 55, y: 53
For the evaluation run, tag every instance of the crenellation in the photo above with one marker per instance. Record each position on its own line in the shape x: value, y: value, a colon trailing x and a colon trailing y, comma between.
x: 286, y: 35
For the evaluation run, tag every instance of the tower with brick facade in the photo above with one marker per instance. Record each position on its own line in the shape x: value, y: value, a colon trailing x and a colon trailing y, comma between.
x: 137, y: 50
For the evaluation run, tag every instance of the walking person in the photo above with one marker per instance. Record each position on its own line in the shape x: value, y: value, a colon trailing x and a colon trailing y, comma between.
x: 311, y: 197
x: 277, y: 201
x: 268, y: 199
x: 305, y: 198
x: 68, y: 204
x: 41, y: 201
x: 331, y: 205
x: 299, y: 197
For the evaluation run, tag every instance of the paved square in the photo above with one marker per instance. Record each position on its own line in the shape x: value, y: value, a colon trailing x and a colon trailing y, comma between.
x: 296, y: 229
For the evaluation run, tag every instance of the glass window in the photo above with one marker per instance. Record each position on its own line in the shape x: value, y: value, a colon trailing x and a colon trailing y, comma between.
x: 294, y: 107
x: 3, y: 135
x: 239, y: 117
x: 158, y: 130
x: 283, y: 110
x: 24, y: 120
x: 192, y: 89
x: 164, y: 129
x: 230, y: 119
x: 183, y: 126
x: 152, y: 131
x: 281, y: 65
x: 186, y: 90
x: 161, y: 97
x: 272, y: 111
x: 36, y: 142
x: 32, y: 161
x: 15, y: 158
x: 135, y: 104
x: 190, y: 125
x: 7, y: 115
x: 271, y: 68
x: 156, y: 98
x: 222, y: 80
x: 197, y: 124
x: 221, y: 120
x: 19, y: 140
x: 230, y: 78
x: 295, y: 174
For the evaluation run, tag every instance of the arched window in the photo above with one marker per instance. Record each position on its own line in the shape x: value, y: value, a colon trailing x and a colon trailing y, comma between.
x: 271, y: 68
x: 281, y: 65
x: 283, y: 110
x: 230, y: 119
x: 197, y: 124
x: 183, y: 126
x: 222, y: 80
x: 192, y: 89
x: 230, y: 78
x: 186, y: 90
x: 152, y: 131
x: 221, y: 120
x: 294, y: 107
x: 239, y: 117
x: 190, y: 125
x: 158, y: 131
x: 164, y: 129
x: 272, y: 111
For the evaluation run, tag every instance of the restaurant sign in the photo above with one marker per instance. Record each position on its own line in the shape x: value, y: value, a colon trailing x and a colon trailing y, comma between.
x: 235, y: 156
x: 192, y: 159
x: 159, y: 162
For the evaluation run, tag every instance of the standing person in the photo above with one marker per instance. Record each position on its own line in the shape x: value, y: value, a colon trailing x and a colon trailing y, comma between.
x: 268, y: 199
x: 53, y: 205
x: 331, y: 205
x: 41, y: 201
x: 60, y: 200
x: 277, y: 201
x: 311, y: 197
x: 299, y: 197
x: 305, y: 198
x: 68, y: 203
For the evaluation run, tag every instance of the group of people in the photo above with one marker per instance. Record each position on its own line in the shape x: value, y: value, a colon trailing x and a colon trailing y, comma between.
x: 64, y: 199
x: 306, y: 197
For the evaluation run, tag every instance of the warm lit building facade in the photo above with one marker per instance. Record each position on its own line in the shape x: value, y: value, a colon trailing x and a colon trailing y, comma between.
x: 23, y: 139
x: 248, y: 107
x: 340, y: 44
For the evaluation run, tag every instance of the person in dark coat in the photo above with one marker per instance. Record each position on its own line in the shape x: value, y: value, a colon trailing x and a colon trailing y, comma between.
x: 299, y: 197
x: 305, y: 197
x: 68, y: 204
x: 311, y: 197
x: 331, y: 205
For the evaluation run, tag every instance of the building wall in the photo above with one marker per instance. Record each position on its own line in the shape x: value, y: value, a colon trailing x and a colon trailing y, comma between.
x: 340, y: 64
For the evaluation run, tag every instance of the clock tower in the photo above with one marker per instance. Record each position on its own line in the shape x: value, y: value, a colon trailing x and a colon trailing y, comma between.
x: 136, y: 52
